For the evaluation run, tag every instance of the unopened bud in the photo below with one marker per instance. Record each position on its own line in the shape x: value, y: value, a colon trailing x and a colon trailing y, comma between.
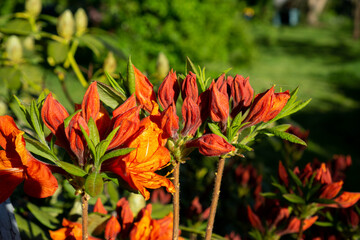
x: 110, y: 63
x: 33, y: 7
x: 162, y: 66
x: 29, y: 43
x: 136, y: 202
x: 3, y: 108
x: 81, y: 21
x: 65, y: 25
x: 14, y: 49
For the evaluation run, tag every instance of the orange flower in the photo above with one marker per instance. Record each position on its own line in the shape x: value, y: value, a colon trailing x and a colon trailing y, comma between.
x: 138, y: 167
x: 211, y: 145
x: 17, y: 165
x: 70, y: 230
x: 294, y: 225
x: 112, y: 228
x: 170, y: 122
x: 279, y: 101
x: 144, y: 91
x: 345, y: 200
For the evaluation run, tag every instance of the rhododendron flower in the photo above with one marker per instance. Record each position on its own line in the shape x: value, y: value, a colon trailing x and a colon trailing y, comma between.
x: 170, y: 122
x: 294, y: 225
x: 18, y: 165
x: 242, y: 94
x: 211, y: 145
x: 144, y: 91
x: 169, y: 90
x: 138, y: 168
x: 70, y: 230
x: 189, y: 87
x: 191, y: 117
x: 219, y: 105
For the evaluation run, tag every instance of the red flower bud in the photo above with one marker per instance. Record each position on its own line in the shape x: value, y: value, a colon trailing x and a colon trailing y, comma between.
x: 254, y: 220
x: 91, y: 103
x: 219, y: 105
x: 144, y: 91
x: 211, y: 145
x: 170, y: 122
x: 112, y: 228
x: 242, y: 94
x: 222, y: 85
x: 125, y: 216
x: 169, y: 90
x: 99, y: 207
x: 260, y: 107
x: 189, y: 87
x: 331, y: 190
x: 128, y: 104
x: 345, y: 200
x: 283, y: 174
x: 279, y: 101
x: 191, y: 117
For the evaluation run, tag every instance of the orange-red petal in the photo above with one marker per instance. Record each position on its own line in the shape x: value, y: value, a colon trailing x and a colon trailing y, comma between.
x: 112, y: 228
x: 99, y: 207
x: 144, y: 91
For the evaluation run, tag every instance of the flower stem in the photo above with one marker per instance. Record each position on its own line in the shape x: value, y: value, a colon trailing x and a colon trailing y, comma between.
x: 84, y: 207
x: 176, y: 201
x: 215, y: 198
x: 77, y: 71
x: 301, y: 229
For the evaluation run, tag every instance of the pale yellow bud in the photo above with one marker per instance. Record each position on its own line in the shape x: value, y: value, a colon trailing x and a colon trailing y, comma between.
x: 162, y: 66
x: 81, y: 21
x: 3, y: 108
x: 14, y: 49
x: 33, y: 7
x: 110, y: 63
x: 66, y: 25
x: 29, y: 43
x: 136, y: 202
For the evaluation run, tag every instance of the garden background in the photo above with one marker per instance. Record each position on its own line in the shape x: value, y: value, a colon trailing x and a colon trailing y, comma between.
x: 321, y: 57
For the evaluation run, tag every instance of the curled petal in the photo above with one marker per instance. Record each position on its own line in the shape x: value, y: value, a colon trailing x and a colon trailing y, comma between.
x: 323, y: 175
x: 345, y: 200
x: 144, y: 91
x: 191, y: 117
x: 222, y: 85
x: 142, y: 228
x: 189, y: 87
x: 99, y: 207
x: 129, y: 124
x: 219, y: 105
x: 283, y: 174
x: 169, y: 90
x: 127, y: 105
x: 165, y: 227
x: 170, y: 122
x: 10, y: 179
x: 278, y: 103
x: 211, y: 145
x: 294, y: 225
x: 91, y: 103
x: 112, y: 228
x: 331, y: 190
x: 39, y: 181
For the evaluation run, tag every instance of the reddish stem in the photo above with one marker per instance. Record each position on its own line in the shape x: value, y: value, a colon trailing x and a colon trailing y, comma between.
x: 176, y: 201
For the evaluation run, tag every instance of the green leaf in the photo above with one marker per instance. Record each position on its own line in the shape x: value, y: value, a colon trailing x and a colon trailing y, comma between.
x: 324, y: 224
x: 284, y: 135
x: 22, y: 107
x: 116, y: 153
x: 96, y: 221
x: 39, y: 149
x: 269, y: 195
x: 71, y: 168
x: 295, y: 178
x: 130, y: 80
x: 88, y: 141
x: 93, y: 131
x: 293, y: 198
x: 111, y: 176
x: 113, y: 192
x: 281, y: 188
x: 282, y: 127
x: 244, y: 147
x: 160, y: 210
x: 29, y: 228
x: 114, y: 84
x: 43, y: 217
x: 191, y: 67
x: 36, y: 122
x: 216, y: 130
x: 91, y: 42
x: 94, y: 184
x: 102, y: 147
x: 110, y: 96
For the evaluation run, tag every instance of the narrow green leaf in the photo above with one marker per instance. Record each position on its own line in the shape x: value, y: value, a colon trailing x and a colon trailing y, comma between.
x: 93, y: 131
x: 216, y: 130
x: 114, y: 84
x: 111, y: 176
x: 191, y: 67
x: 295, y: 178
x: 88, y: 141
x: 71, y: 168
x: 281, y: 188
x: 293, y: 198
x: 269, y: 195
x: 282, y: 127
x: 244, y: 147
x: 46, y: 219
x: 40, y: 149
x: 110, y: 96
x: 102, y: 147
x: 130, y: 77
x: 30, y: 229
x: 22, y: 107
x: 286, y: 136
x: 94, y: 184
x: 324, y: 224
x: 116, y: 153
x: 36, y: 122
